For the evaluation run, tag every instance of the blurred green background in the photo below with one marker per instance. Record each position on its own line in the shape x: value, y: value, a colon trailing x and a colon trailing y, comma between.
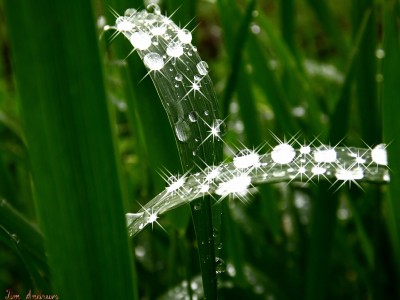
x: 81, y: 143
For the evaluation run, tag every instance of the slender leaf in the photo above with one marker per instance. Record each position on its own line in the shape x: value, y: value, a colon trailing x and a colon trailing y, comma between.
x: 66, y: 123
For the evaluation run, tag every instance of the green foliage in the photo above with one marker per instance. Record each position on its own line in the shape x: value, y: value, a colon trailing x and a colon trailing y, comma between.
x: 83, y: 143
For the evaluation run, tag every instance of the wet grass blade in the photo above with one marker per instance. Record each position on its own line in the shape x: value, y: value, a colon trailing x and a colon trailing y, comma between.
x: 74, y: 165
x: 40, y: 283
x: 29, y: 235
x: 391, y: 124
x: 367, y: 91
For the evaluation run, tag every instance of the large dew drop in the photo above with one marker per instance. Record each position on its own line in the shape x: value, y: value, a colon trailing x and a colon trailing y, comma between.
x: 182, y: 131
x: 235, y: 185
x: 202, y: 67
x: 153, y: 61
x: 140, y: 40
x: 354, y: 174
x: 193, y: 115
x: 325, y: 155
x: 379, y: 155
x: 283, y: 154
x: 175, y: 50
x: 219, y: 265
x: 124, y: 24
x: 245, y: 159
x: 185, y: 36
x: 220, y: 127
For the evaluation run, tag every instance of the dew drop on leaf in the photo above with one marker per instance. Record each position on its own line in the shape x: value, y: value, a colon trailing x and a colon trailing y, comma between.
x: 182, y: 131
x: 202, y: 67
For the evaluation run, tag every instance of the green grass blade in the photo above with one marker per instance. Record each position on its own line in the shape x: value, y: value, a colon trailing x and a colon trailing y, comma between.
x: 391, y: 125
x: 235, y: 50
x: 40, y: 283
x: 74, y: 165
x: 328, y: 22
x: 367, y: 92
x: 29, y: 235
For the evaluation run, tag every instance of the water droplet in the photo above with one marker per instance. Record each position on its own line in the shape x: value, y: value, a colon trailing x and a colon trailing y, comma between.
x: 194, y: 153
x: 323, y: 154
x: 194, y: 48
x: 185, y: 36
x: 189, y: 53
x: 206, y: 112
x: 178, y: 77
x: 193, y: 115
x: 153, y: 61
x: 156, y: 8
x: 197, y: 78
x: 15, y: 238
x: 215, y: 232
x: 182, y: 131
x: 220, y: 246
x: 283, y: 154
x: 130, y: 12
x: 380, y: 53
x: 175, y: 50
x: 219, y: 265
x: 318, y: 170
x: 379, y: 77
x: 176, y: 85
x: 305, y: 150
x: 353, y: 174
x: 154, y: 42
x: 124, y: 24
x: 158, y: 30
x: 220, y: 127
x: 196, y: 140
x: 379, y: 155
x: 245, y: 159
x: 197, y: 206
x: 202, y: 67
x: 140, y: 40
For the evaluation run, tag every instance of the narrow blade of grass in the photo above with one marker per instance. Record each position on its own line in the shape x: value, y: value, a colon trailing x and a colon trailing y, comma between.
x: 40, y: 283
x: 75, y: 172
x: 391, y: 125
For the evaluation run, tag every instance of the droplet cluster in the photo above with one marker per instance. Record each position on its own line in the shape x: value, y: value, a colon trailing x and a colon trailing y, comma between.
x: 282, y: 163
x: 179, y: 75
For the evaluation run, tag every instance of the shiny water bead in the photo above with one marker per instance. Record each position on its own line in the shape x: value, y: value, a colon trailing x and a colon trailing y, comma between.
x: 130, y: 12
x: 182, y: 130
x: 318, y: 170
x: 178, y: 77
x: 283, y: 154
x: 212, y: 173
x: 185, y: 36
x: 219, y: 265
x: 325, y: 155
x: 175, y: 50
x: 305, y: 150
x: 193, y: 115
x: 352, y: 174
x: 245, y: 159
x: 158, y: 30
x: 379, y: 155
x: 204, y: 188
x: 153, y: 61
x: 140, y: 40
x: 220, y: 127
x: 156, y: 8
x: 175, y: 183
x: 235, y: 185
x: 202, y: 68
x: 124, y: 24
